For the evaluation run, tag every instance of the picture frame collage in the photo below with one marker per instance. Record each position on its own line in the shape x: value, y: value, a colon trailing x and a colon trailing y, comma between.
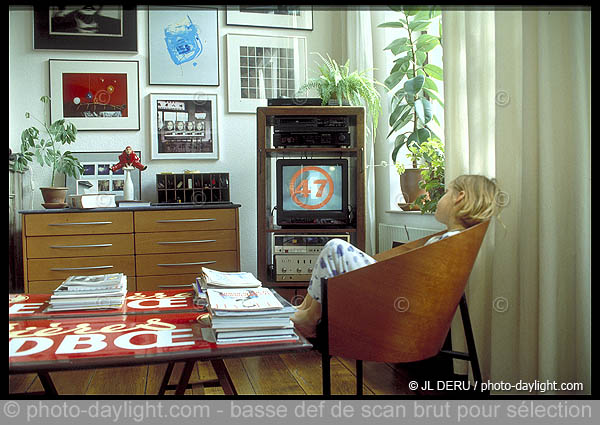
x: 183, y: 50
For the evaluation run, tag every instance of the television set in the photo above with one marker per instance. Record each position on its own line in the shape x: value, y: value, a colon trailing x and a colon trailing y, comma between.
x: 312, y: 192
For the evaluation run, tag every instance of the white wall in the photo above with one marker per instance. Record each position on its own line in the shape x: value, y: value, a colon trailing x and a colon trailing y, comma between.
x: 28, y: 81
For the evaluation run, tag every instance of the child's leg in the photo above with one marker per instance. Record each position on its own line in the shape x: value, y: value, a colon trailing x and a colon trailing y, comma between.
x: 337, y: 257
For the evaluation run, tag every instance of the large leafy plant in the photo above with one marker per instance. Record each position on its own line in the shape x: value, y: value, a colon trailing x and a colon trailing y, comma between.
x: 44, y: 146
x: 411, y: 79
x: 338, y: 82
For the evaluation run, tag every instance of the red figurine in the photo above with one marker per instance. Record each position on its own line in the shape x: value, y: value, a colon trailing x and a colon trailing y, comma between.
x: 128, y: 157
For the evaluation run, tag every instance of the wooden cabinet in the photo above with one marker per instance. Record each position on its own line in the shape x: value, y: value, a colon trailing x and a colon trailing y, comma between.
x: 155, y: 247
x: 267, y: 156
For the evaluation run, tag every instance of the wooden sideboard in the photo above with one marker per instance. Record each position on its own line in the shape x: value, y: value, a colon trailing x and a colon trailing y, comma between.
x: 157, y: 247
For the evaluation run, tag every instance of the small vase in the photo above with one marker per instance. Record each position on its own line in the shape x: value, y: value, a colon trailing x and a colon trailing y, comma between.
x: 128, y: 185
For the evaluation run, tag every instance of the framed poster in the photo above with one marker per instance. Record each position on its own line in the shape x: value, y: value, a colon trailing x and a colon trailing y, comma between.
x: 95, y: 94
x: 101, y: 28
x: 97, y: 177
x: 183, y: 45
x: 184, y: 126
x: 282, y: 16
x: 260, y: 68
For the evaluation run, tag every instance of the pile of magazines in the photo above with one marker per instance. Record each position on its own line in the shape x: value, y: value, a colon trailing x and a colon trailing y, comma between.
x: 97, y: 292
x: 242, y: 314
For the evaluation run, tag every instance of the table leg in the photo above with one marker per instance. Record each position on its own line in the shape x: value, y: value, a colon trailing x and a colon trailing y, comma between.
x: 165, y: 381
x: 185, y: 377
x: 47, y: 383
x: 224, y: 377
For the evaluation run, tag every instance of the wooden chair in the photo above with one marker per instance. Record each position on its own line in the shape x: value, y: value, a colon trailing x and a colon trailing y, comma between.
x: 400, y: 308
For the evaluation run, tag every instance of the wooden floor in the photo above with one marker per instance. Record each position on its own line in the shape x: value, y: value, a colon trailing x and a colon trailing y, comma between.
x: 287, y: 374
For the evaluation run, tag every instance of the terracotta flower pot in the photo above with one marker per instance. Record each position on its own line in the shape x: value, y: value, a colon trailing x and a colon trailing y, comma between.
x: 54, y: 197
x: 409, y: 185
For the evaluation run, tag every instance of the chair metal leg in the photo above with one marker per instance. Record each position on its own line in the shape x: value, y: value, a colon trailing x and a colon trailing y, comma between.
x: 464, y: 312
x: 325, y: 357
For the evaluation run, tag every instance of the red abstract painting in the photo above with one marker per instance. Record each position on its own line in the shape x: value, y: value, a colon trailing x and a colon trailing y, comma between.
x: 94, y: 95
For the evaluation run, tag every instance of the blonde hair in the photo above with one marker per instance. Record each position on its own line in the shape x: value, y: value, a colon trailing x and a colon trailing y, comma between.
x: 483, y: 199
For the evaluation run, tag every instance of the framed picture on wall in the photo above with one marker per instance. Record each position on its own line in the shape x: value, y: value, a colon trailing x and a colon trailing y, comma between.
x: 183, y: 45
x: 97, y: 177
x: 184, y: 126
x: 95, y: 94
x: 261, y: 67
x: 99, y: 28
x: 282, y: 16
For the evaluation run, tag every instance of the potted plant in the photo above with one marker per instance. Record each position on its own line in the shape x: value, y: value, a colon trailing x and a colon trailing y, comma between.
x: 337, y: 83
x: 46, y: 150
x: 411, y: 105
x: 431, y: 157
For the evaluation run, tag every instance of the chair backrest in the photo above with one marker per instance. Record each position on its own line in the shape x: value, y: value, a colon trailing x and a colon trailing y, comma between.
x: 400, y: 308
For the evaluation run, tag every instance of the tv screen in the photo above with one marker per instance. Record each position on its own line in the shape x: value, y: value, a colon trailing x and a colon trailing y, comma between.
x: 312, y: 191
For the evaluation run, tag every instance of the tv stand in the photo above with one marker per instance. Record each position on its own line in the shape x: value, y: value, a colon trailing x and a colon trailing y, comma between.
x: 267, y: 156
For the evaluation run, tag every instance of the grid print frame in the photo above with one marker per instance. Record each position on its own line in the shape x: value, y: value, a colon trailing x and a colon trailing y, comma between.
x: 262, y: 67
x: 273, y: 67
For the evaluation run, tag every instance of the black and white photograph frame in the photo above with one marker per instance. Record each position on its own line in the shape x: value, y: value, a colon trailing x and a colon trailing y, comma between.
x: 103, y: 28
x: 184, y: 126
x: 263, y: 67
x: 282, y: 16
x: 95, y: 94
x: 98, y: 178
x: 183, y: 45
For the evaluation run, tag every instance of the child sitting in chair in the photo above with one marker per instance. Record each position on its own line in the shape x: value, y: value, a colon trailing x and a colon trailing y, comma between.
x: 469, y: 200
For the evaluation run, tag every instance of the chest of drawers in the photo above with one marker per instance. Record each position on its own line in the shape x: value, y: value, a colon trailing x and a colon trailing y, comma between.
x: 156, y: 247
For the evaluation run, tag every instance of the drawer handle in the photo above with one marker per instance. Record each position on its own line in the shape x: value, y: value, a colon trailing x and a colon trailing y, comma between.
x: 187, y: 264
x: 62, y: 269
x: 80, y: 224
x: 178, y: 242
x: 186, y: 220
x: 100, y: 245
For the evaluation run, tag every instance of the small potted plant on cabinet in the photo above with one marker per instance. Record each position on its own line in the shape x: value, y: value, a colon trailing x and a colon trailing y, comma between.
x: 45, y: 148
x: 411, y: 104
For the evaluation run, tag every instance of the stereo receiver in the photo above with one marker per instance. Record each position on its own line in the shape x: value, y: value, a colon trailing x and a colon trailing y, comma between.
x: 326, y: 130
x: 295, y: 255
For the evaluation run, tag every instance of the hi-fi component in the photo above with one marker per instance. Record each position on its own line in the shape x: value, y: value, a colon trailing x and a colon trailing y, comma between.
x: 295, y: 255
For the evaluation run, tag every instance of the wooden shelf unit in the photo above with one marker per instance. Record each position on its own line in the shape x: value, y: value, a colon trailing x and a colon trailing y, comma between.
x: 267, y: 156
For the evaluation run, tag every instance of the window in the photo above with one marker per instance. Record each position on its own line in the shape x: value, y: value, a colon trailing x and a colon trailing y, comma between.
x: 434, y: 57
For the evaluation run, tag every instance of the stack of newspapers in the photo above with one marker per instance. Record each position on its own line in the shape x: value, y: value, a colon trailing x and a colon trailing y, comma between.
x: 97, y: 292
x: 248, y: 315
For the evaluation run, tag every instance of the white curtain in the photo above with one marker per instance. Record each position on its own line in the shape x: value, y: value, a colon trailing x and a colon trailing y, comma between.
x: 359, y: 52
x: 517, y: 108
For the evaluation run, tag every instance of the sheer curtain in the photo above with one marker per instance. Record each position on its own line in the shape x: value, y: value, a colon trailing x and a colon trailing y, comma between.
x: 517, y: 90
x: 359, y: 51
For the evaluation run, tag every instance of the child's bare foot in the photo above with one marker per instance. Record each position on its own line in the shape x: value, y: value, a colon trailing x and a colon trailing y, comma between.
x: 306, y: 302
x: 305, y: 320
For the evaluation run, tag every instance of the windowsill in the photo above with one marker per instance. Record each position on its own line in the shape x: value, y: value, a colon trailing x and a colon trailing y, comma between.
x: 408, y: 212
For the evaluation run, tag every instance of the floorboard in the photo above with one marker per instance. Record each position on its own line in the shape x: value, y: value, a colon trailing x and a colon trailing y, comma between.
x: 296, y: 374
